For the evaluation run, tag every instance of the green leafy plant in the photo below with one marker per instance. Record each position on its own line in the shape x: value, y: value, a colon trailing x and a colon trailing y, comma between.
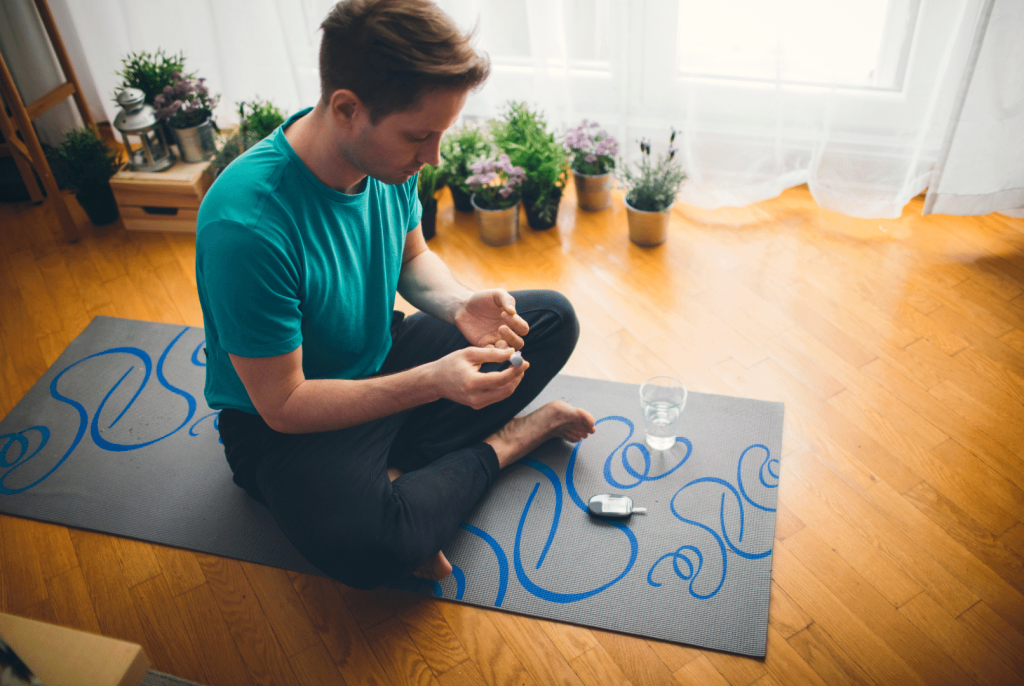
x: 185, y: 103
x: 255, y: 125
x: 431, y: 180
x: 651, y: 186
x: 84, y: 160
x: 150, y: 73
x: 522, y: 134
x: 460, y: 148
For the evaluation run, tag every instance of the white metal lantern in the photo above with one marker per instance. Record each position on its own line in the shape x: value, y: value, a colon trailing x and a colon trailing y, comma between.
x: 138, y: 120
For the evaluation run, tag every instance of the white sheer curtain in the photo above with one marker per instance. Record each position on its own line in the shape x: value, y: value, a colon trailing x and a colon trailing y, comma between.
x: 981, y: 167
x: 852, y: 98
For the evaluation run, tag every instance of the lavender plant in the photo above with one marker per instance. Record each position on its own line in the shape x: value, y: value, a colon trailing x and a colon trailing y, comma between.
x: 186, y: 103
x: 495, y: 183
x: 652, y: 186
x: 593, y: 152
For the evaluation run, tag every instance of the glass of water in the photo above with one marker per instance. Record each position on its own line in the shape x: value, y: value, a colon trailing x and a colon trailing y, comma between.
x: 662, y: 399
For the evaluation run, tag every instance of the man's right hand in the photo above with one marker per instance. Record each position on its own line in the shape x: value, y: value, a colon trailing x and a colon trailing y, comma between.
x: 459, y: 379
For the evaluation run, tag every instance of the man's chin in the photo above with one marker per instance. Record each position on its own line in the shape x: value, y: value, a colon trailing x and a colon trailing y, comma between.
x: 397, y: 178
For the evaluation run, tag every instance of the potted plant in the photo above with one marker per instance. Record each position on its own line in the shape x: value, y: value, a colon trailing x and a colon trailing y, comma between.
x: 187, y: 107
x: 593, y: 159
x: 150, y: 73
x: 522, y: 134
x: 650, y: 193
x: 85, y: 162
x: 460, y: 148
x: 495, y: 184
x: 430, y: 181
x: 260, y: 121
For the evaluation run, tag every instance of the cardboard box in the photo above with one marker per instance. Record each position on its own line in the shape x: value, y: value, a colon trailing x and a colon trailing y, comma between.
x: 162, y: 201
x: 60, y: 656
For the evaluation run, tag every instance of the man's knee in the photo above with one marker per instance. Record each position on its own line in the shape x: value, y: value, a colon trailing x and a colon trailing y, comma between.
x: 555, y: 316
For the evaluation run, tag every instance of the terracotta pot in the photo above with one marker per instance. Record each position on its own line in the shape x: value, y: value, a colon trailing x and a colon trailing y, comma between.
x: 648, y: 228
x: 497, y: 227
x: 593, y: 193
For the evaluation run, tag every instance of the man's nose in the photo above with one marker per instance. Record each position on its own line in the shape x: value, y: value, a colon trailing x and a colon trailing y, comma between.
x: 430, y: 152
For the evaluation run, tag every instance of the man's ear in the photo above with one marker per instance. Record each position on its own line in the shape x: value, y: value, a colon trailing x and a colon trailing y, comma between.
x: 344, y: 106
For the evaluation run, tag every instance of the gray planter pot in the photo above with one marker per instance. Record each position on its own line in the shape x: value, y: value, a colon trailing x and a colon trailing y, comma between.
x: 196, y: 144
x: 648, y: 228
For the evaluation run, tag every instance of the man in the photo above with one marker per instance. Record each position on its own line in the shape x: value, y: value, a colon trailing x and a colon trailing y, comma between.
x: 369, y: 436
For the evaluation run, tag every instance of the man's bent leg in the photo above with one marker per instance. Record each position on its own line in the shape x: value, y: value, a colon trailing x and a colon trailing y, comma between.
x: 438, y: 428
x: 331, y: 495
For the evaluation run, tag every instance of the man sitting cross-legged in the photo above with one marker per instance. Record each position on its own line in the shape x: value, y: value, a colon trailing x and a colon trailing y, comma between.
x: 369, y: 435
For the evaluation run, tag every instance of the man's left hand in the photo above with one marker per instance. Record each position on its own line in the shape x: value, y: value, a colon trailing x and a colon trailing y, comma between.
x: 489, y: 318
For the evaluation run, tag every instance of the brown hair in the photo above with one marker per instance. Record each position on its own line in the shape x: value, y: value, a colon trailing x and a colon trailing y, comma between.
x: 391, y: 52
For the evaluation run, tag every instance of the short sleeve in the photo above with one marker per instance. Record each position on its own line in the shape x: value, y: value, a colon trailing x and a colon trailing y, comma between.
x: 415, y: 207
x: 251, y: 287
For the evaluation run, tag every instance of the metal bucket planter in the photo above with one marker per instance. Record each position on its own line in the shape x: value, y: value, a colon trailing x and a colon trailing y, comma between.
x: 197, y: 143
x: 648, y: 228
x: 593, y: 193
x: 497, y: 227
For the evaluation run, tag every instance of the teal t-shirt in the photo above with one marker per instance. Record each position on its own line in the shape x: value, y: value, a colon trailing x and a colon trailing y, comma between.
x: 283, y: 260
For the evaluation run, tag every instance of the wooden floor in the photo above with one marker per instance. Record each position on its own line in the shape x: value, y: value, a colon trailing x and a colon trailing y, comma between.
x: 897, y: 346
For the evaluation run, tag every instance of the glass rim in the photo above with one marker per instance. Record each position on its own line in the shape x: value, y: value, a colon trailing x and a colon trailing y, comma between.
x: 674, y: 382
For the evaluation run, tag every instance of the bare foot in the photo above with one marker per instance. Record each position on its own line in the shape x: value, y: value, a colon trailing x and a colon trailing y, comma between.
x: 436, y: 569
x: 557, y: 419
x: 393, y: 473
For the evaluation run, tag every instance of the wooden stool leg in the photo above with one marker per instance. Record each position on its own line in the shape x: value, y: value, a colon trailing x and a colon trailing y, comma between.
x: 10, y: 95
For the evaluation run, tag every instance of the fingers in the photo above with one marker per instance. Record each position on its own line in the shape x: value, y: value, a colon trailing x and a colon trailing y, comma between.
x: 509, y: 337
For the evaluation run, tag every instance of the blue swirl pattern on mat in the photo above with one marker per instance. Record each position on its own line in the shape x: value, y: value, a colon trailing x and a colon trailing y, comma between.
x: 8, y: 441
x: 721, y: 535
x: 687, y: 560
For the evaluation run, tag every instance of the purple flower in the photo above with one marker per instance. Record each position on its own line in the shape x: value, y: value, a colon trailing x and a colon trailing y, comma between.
x: 591, y: 158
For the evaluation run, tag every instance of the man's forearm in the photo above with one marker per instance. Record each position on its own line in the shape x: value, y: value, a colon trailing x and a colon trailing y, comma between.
x: 428, y: 285
x: 331, y: 404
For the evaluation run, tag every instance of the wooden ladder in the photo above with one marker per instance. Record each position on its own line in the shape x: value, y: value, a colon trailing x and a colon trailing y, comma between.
x: 21, y: 137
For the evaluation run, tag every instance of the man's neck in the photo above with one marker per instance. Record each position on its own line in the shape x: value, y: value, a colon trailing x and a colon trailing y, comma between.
x: 314, y: 140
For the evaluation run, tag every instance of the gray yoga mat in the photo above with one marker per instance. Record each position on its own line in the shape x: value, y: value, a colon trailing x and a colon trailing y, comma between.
x: 116, y: 437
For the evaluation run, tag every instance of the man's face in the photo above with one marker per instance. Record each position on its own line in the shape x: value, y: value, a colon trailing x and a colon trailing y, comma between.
x: 402, y: 142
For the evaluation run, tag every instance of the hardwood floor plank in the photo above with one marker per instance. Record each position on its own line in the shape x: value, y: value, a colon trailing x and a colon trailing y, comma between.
x: 635, y: 658
x: 283, y: 608
x: 700, y: 672
x: 22, y: 575
x: 396, y: 651
x: 339, y: 631
x: 211, y: 638
x: 431, y: 635
x: 534, y: 649
x: 784, y: 615
x: 957, y: 560
x: 497, y: 662
x: 111, y: 601
x: 166, y: 640
x: 989, y: 628
x: 851, y: 641
x: 964, y: 529
x: 973, y: 657
x: 138, y: 560
x: 261, y: 652
x: 314, y: 667
x: 180, y: 568
x: 894, y: 562
x: 69, y: 598
x: 465, y: 674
